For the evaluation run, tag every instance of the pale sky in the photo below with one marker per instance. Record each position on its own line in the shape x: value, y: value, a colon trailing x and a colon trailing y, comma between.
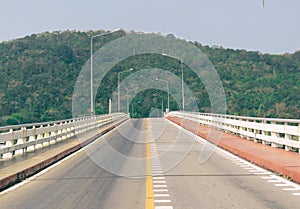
x: 241, y: 24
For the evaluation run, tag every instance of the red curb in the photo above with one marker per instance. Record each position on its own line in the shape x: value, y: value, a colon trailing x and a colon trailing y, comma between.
x: 283, y: 162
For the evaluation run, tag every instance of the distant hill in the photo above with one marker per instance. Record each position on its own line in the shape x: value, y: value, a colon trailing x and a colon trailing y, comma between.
x: 38, y: 73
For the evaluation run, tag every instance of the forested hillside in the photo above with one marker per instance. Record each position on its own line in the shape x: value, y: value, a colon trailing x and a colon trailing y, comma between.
x: 38, y: 73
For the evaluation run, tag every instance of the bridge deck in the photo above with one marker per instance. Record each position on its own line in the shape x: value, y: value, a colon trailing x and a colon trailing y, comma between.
x: 278, y: 160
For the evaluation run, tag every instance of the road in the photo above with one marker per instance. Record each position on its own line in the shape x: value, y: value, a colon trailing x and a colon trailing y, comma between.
x: 115, y: 173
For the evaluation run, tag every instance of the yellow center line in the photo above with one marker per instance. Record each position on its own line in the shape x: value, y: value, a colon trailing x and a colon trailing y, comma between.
x: 149, y: 181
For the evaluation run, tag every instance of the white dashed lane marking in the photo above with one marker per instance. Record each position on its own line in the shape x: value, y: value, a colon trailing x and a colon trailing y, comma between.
x: 161, y: 196
x: 278, y: 181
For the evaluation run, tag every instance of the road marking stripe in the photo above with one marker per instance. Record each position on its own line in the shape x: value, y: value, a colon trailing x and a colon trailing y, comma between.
x: 158, y: 178
x: 291, y: 189
x: 161, y: 201
x: 267, y: 177
x: 149, y: 185
x: 160, y: 190
x: 161, y: 195
x: 263, y: 173
x: 296, y: 194
x: 274, y: 181
x: 160, y: 186
x: 281, y: 185
x: 163, y: 207
x: 157, y: 191
x: 159, y: 182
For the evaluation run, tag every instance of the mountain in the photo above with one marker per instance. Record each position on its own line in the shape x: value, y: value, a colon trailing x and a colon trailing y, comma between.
x: 38, y: 74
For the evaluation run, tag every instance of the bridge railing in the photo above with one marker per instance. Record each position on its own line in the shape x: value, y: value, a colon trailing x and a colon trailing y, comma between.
x: 276, y: 132
x: 18, y: 139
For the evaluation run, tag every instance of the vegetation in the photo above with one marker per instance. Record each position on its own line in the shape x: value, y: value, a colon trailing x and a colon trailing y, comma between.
x: 38, y: 74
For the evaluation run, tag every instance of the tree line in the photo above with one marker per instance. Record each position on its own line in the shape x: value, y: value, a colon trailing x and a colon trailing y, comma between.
x: 38, y: 74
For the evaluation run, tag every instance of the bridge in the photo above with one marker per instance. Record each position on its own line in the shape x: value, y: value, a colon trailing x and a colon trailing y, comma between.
x: 184, y: 160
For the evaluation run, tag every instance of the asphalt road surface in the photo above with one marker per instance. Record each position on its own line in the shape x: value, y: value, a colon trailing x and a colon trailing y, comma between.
x: 116, y: 172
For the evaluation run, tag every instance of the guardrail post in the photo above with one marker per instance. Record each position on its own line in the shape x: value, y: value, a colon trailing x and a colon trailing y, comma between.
x: 287, y: 137
x: 32, y: 138
x: 53, y: 134
x: 279, y: 133
x: 64, y: 131
x: 72, y: 129
x: 16, y: 140
x: 8, y: 143
x: 59, y: 132
x: 21, y: 140
x: 46, y: 135
x: 274, y: 135
x: 39, y: 139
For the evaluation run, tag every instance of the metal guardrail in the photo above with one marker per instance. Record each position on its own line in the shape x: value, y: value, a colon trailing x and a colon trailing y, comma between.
x: 276, y: 132
x: 18, y: 139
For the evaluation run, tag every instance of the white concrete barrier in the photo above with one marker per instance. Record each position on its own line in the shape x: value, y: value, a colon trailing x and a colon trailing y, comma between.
x: 18, y: 139
x: 276, y: 132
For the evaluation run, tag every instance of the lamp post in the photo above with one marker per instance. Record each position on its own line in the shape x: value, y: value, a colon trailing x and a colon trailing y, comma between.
x: 119, y: 76
x: 168, y: 92
x: 92, y: 73
x: 162, y: 107
x: 182, y: 83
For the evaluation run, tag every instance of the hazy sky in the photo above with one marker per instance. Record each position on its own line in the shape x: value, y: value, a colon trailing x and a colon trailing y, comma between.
x: 231, y: 23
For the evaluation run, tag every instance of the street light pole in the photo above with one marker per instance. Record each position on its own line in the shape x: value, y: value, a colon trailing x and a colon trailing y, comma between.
x: 119, y: 76
x: 182, y: 85
x: 162, y: 107
x: 182, y: 82
x: 168, y: 91
x: 92, y: 72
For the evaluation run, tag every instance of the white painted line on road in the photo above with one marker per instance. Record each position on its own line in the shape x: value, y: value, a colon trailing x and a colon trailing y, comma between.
x: 291, y: 189
x: 274, y: 181
x: 158, y: 178
x: 250, y: 167
x: 263, y: 173
x: 159, y: 186
x: 157, y: 173
x: 163, y: 207
x: 160, y: 190
x: 16, y: 186
x: 162, y: 201
x: 159, y: 182
x: 281, y: 185
x: 253, y: 171
x: 267, y: 177
x: 161, y: 195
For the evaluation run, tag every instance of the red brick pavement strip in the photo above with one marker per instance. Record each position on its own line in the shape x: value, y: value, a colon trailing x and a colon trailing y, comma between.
x: 283, y: 162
